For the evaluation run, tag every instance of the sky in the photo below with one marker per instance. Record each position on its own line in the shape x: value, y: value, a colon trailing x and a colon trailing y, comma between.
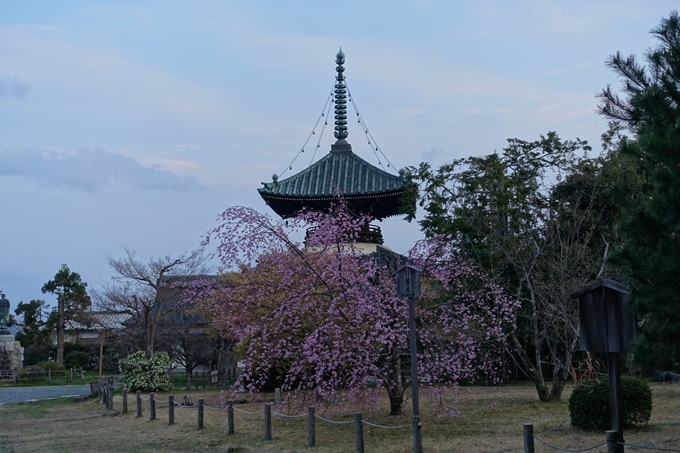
x: 136, y: 123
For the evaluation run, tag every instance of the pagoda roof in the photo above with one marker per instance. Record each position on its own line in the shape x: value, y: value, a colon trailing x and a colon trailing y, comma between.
x: 368, y: 189
x: 365, y: 188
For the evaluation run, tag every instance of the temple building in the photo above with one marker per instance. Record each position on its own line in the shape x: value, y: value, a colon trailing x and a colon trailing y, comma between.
x: 367, y: 189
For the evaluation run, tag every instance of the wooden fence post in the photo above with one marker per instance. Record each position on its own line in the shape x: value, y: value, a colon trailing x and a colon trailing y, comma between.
x: 203, y: 378
x: 612, y: 446
x: 49, y: 374
x: 359, y: 432
x: 200, y: 413
x: 277, y: 393
x: 311, y: 427
x: 139, y: 403
x: 267, y: 421
x: 81, y: 374
x: 152, y: 406
x: 71, y: 374
x: 125, y: 395
x: 171, y: 410
x: 109, y: 396
x: 230, y: 418
x: 528, y: 438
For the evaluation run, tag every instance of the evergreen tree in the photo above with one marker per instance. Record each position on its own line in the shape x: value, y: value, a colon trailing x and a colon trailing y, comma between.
x: 649, y: 106
x: 38, y: 323
x: 72, y: 300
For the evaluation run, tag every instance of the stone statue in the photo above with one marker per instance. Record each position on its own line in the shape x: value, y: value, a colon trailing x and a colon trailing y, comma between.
x: 11, y: 352
x: 4, y: 312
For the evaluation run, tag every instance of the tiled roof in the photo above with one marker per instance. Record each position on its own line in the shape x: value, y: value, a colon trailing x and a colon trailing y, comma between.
x: 340, y: 170
x: 100, y: 320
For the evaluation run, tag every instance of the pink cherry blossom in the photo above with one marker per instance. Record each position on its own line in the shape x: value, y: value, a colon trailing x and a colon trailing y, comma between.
x: 325, y: 317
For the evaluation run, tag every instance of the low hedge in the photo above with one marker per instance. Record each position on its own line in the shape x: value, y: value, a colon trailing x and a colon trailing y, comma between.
x: 589, y: 403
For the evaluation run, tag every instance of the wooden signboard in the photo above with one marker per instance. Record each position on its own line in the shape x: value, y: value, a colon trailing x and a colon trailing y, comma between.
x: 408, y: 281
x: 606, y: 318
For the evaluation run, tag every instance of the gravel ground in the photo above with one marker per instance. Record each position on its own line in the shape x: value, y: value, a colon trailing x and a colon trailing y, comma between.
x: 21, y: 394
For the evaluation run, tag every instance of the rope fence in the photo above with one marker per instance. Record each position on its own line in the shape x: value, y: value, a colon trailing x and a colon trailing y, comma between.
x: 106, y: 396
x: 327, y: 420
x: 289, y: 416
x: 569, y: 449
x: 613, y: 445
x: 385, y: 427
x: 247, y: 412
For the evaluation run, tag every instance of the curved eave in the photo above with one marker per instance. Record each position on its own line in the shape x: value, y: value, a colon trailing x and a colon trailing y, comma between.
x: 378, y: 205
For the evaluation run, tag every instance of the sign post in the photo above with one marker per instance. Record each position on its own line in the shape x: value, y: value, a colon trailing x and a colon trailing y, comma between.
x: 408, y: 285
x: 607, y: 324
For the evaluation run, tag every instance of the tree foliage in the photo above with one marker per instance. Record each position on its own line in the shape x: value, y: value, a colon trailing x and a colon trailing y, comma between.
x: 650, y: 224
x: 38, y: 323
x: 529, y: 216
x: 324, y: 317
x: 72, y: 301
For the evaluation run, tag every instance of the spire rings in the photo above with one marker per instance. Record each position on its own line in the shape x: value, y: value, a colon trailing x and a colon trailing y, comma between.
x: 340, y: 99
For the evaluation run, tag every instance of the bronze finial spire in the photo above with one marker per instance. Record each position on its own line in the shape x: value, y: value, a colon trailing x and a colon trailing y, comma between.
x: 340, y: 99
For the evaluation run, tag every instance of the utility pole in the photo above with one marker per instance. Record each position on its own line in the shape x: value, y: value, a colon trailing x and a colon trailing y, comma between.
x: 101, y: 352
x: 61, y: 326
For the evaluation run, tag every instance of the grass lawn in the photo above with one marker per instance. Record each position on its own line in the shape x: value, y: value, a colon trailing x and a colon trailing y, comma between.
x: 490, y: 420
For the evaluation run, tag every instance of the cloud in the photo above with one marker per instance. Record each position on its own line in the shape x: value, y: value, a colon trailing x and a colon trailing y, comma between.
x: 89, y: 170
x: 435, y: 155
x: 12, y: 86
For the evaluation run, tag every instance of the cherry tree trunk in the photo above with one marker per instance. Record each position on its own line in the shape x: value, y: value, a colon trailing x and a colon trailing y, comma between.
x: 396, y: 402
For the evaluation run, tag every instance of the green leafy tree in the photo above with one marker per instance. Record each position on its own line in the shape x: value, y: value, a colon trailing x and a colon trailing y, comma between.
x: 650, y: 222
x: 527, y: 216
x: 72, y: 301
x: 38, y: 323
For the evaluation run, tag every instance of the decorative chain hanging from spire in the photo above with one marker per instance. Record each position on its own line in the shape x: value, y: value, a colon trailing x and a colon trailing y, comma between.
x: 340, y: 99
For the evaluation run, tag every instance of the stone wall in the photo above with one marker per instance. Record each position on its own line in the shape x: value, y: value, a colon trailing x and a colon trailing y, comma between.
x: 11, y: 357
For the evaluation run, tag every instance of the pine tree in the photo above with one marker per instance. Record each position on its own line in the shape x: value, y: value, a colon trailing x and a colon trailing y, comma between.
x: 72, y: 300
x: 649, y: 105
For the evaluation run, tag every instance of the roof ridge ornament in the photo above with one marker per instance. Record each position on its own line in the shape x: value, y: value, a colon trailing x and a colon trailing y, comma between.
x: 340, y: 100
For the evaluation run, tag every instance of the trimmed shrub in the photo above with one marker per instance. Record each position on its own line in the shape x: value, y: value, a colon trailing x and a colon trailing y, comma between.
x: 589, y: 403
x: 77, y: 359
x: 50, y: 365
x: 146, y: 374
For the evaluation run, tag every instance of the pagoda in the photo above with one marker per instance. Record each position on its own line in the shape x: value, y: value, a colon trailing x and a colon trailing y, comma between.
x: 367, y: 189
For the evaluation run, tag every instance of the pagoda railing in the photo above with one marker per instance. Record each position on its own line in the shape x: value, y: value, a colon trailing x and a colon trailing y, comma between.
x: 369, y: 234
